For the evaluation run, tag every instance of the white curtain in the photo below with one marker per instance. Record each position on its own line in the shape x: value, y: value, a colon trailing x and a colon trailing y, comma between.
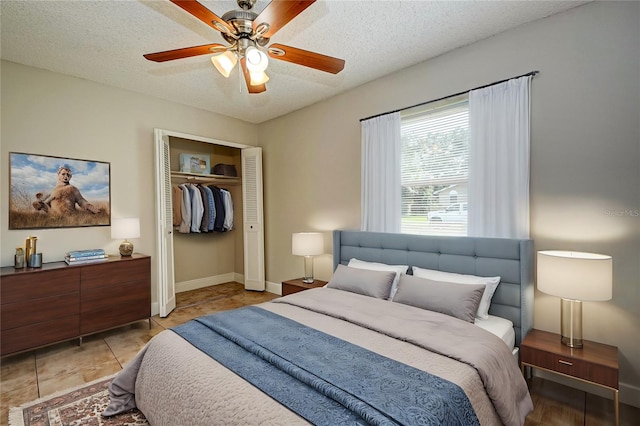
x: 380, y: 185
x: 499, y: 160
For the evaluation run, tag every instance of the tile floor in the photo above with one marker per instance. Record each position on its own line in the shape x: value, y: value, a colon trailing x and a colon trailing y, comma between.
x: 28, y: 376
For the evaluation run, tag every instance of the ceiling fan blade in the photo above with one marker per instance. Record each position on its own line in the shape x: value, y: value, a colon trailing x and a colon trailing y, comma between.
x: 279, y: 12
x: 306, y: 58
x: 185, y: 52
x: 259, y: 88
x: 201, y: 12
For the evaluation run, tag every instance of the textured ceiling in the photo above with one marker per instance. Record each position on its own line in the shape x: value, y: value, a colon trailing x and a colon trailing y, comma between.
x: 104, y: 41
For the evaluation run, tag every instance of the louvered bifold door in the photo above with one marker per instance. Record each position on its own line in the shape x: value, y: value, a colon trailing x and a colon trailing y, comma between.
x: 164, y: 231
x: 253, y: 219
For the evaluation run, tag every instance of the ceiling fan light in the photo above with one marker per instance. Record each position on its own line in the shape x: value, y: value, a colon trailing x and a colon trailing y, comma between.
x: 257, y: 60
x: 224, y: 62
x: 258, y: 78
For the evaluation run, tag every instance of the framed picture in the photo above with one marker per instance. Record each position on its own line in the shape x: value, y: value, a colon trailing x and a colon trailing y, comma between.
x: 58, y: 192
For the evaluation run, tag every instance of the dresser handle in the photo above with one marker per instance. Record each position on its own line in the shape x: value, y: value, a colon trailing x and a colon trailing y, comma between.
x: 565, y: 362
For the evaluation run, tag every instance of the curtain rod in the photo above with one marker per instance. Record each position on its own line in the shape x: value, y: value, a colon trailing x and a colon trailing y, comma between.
x: 532, y: 73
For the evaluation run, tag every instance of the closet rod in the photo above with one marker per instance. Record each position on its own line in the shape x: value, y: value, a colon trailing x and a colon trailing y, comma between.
x: 204, y: 180
x: 531, y: 73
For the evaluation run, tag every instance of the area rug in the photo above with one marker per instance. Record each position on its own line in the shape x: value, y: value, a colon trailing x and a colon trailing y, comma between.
x: 79, y: 406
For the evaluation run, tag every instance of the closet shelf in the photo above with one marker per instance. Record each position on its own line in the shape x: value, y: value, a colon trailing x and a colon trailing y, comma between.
x: 204, y: 178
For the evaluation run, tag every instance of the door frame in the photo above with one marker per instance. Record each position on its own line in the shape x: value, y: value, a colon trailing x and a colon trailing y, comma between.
x: 163, y: 258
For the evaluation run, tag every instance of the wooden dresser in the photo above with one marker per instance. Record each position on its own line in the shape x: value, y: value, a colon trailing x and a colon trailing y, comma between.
x: 60, y: 302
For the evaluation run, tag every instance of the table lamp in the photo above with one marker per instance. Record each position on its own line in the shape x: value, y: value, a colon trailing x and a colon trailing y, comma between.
x: 125, y: 228
x: 575, y: 277
x: 307, y: 244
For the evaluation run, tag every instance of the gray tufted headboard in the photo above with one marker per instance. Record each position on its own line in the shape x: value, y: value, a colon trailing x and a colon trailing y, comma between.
x: 511, y: 259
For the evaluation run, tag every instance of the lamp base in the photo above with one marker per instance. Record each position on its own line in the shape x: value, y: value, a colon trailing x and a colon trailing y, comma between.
x: 571, y: 323
x: 126, y: 248
x: 308, y: 270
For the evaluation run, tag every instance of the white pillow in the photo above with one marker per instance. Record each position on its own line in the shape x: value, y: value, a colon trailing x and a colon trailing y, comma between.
x: 491, y: 283
x: 373, y: 266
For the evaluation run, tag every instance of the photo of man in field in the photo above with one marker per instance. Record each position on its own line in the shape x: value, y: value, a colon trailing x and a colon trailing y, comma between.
x: 42, y: 195
x: 64, y: 197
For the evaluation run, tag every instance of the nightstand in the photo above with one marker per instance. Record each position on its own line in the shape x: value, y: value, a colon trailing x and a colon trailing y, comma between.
x: 595, y: 363
x: 296, y: 285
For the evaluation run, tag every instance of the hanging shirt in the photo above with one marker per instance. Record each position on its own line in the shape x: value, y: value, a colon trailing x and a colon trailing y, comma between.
x: 212, y: 208
x: 228, y: 210
x: 218, y: 226
x: 204, y: 225
x: 176, y: 204
x: 185, y: 210
x: 197, y: 209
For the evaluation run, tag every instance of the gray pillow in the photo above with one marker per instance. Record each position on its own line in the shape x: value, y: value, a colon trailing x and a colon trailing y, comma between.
x: 457, y: 300
x: 362, y: 281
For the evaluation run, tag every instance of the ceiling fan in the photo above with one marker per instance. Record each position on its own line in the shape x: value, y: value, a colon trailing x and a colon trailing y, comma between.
x: 247, y: 34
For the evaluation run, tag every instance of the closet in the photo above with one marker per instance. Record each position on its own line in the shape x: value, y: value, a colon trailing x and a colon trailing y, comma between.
x: 190, y: 260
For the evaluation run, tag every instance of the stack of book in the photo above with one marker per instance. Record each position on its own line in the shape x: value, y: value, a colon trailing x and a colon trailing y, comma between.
x: 78, y: 257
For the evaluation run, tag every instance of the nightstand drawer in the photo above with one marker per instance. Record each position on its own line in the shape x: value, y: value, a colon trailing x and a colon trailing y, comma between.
x: 573, y: 367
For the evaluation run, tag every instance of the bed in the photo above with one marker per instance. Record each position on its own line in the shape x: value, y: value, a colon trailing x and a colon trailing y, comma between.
x: 375, y: 346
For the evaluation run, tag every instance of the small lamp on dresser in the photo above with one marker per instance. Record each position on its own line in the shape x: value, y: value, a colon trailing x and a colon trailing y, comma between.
x: 575, y: 277
x: 124, y: 228
x: 307, y: 244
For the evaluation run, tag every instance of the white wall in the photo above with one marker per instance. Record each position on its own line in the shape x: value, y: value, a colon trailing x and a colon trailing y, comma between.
x: 585, y: 155
x: 52, y: 114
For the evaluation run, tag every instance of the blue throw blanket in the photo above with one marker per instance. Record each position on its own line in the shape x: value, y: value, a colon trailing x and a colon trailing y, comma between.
x: 326, y: 380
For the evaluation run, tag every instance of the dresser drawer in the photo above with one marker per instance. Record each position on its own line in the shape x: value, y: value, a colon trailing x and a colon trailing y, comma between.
x: 107, y: 307
x: 110, y: 273
x: 570, y: 366
x: 40, y: 334
x: 36, y: 285
x: 106, y: 318
x: 104, y: 298
x: 39, y: 310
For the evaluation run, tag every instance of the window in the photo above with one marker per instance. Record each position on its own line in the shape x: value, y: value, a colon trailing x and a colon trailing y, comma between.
x: 434, y: 168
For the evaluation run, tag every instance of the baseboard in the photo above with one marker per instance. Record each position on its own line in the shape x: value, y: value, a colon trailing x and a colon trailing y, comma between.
x: 205, y: 282
x: 239, y: 278
x: 275, y: 288
x: 629, y: 394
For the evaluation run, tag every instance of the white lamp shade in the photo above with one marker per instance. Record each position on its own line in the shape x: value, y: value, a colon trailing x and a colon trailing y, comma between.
x: 258, y: 77
x: 125, y: 228
x: 307, y: 244
x: 224, y: 62
x: 575, y: 275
